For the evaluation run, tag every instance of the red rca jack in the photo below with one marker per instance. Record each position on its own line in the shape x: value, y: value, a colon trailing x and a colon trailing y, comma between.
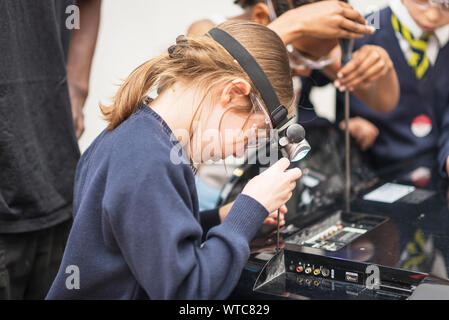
x: 300, y: 269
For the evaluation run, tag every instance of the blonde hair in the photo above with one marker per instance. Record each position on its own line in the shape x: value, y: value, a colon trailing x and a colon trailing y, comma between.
x: 207, y: 63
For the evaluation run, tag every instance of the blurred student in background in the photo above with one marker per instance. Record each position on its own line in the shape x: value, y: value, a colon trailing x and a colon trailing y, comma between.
x: 38, y: 143
x: 415, y: 33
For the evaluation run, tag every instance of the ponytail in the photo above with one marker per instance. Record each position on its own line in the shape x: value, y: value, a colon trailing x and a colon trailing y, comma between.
x: 131, y: 93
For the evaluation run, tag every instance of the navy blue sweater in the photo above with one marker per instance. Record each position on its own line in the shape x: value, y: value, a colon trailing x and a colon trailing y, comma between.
x: 137, y: 231
x: 415, y: 126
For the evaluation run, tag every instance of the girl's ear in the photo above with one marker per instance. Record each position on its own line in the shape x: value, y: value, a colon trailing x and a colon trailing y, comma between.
x: 261, y: 14
x: 234, y: 91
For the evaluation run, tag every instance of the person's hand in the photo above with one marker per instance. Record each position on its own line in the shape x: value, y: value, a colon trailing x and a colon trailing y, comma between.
x: 368, y: 64
x: 273, y: 187
x: 364, y: 132
x: 272, y: 219
x: 324, y: 20
x: 77, y: 100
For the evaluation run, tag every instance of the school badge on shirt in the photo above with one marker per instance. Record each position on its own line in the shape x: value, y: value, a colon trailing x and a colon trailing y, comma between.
x: 421, y: 126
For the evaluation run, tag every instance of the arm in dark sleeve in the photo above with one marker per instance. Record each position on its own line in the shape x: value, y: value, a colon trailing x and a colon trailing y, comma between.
x: 148, y: 207
x: 443, y: 144
x: 209, y: 219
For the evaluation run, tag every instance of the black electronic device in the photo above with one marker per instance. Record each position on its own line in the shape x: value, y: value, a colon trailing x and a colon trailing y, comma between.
x: 329, y: 257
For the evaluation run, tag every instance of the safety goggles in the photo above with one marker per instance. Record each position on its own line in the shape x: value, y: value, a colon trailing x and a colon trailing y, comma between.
x: 296, y: 59
x: 443, y: 5
x: 257, y: 129
x: 249, y: 130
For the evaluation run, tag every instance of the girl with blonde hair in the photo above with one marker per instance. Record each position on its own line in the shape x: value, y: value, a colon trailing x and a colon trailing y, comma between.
x: 137, y: 231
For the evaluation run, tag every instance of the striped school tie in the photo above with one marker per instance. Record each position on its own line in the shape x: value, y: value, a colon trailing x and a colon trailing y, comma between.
x: 419, y: 60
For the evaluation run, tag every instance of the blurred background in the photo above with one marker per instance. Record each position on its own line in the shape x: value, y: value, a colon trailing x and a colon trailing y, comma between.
x: 132, y: 32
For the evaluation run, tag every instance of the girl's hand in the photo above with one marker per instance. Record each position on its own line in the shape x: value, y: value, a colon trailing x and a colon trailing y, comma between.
x: 368, y: 64
x: 272, y: 219
x: 273, y: 187
x: 364, y: 132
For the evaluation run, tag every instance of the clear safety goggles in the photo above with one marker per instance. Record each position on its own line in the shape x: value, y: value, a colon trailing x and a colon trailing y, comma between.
x: 257, y: 128
x: 443, y: 5
x: 296, y: 59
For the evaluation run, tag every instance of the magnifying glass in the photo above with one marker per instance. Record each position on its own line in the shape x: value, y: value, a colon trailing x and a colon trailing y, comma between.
x: 293, y: 143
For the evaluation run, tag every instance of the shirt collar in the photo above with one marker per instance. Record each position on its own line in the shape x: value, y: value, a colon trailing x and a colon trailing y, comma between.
x: 401, y: 12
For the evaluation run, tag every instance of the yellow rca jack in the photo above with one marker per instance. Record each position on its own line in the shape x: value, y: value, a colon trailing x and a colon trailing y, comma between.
x: 316, y: 272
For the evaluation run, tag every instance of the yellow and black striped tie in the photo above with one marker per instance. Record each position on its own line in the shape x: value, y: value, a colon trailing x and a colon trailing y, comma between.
x: 419, y: 60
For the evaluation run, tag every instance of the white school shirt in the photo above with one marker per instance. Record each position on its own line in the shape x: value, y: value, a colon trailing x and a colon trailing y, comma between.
x: 436, y: 41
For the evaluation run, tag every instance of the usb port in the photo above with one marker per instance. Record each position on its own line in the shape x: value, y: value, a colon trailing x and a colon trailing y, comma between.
x: 352, y: 277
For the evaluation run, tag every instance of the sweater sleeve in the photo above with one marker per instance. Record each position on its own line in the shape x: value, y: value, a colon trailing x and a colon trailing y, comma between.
x: 209, y: 219
x: 148, y: 208
x: 443, y: 144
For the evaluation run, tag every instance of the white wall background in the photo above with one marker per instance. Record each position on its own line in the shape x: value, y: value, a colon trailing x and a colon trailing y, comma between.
x: 132, y: 32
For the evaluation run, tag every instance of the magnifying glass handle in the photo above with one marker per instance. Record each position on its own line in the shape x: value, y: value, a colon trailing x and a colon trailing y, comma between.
x: 347, y: 46
x: 277, y: 234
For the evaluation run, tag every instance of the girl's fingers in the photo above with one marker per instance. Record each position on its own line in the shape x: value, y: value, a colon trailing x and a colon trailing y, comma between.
x: 274, y: 222
x: 294, y: 174
x: 270, y: 222
x: 282, y: 164
x: 283, y: 209
x: 273, y: 215
x: 292, y: 185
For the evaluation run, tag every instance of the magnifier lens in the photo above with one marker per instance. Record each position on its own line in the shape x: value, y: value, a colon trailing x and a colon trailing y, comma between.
x: 297, y: 147
x: 301, y: 155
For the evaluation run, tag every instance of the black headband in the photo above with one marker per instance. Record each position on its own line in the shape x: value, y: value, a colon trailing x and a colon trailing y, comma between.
x: 278, y: 112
